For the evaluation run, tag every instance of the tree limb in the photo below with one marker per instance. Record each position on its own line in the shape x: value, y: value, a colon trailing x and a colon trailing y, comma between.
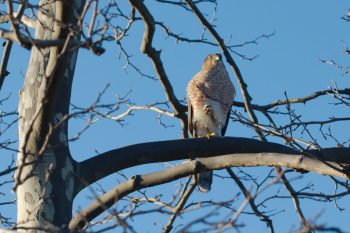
x: 154, y: 55
x: 28, y: 42
x: 95, y: 168
x: 301, y: 100
x: 137, y: 182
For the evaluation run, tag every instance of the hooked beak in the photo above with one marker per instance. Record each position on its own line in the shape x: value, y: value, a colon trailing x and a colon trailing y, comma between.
x: 218, y: 57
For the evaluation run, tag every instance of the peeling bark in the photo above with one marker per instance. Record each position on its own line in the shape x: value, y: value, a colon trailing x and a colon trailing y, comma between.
x: 44, y: 179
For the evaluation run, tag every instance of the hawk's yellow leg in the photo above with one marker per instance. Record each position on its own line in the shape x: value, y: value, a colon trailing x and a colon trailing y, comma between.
x: 211, y: 135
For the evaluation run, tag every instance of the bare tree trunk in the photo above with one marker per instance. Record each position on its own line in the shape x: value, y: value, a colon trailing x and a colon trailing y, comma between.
x: 44, y: 179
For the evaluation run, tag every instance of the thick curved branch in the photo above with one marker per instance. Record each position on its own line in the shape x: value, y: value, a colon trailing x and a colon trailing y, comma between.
x: 154, y: 55
x: 284, y: 159
x: 109, y: 162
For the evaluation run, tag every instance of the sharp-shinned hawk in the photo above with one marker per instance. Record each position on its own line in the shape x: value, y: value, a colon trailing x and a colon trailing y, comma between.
x: 209, y: 94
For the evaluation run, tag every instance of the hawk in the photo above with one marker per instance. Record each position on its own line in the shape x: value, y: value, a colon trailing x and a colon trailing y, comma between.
x: 209, y: 94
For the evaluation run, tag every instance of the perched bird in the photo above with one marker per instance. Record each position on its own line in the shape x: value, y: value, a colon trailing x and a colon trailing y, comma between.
x: 209, y: 94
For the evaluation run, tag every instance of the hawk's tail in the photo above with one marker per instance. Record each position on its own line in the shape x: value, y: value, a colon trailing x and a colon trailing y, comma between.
x: 205, y: 179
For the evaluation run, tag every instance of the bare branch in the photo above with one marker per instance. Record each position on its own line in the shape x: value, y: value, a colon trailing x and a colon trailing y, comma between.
x: 135, y: 108
x: 180, y: 204
x: 251, y: 200
x: 93, y: 169
x: 295, y: 198
x: 25, y: 20
x: 154, y: 55
x: 8, y: 46
x: 194, y: 166
x: 302, y: 100
x: 28, y: 42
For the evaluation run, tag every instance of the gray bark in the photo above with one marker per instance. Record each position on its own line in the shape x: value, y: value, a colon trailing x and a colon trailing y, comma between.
x: 44, y: 179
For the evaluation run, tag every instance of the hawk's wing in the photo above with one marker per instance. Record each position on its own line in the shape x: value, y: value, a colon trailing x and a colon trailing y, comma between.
x: 190, y: 116
x: 223, y: 130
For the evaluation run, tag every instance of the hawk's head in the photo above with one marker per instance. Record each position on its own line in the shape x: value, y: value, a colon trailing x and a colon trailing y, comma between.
x: 211, y: 61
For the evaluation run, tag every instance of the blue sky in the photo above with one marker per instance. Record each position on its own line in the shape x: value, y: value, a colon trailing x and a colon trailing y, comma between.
x: 305, y: 32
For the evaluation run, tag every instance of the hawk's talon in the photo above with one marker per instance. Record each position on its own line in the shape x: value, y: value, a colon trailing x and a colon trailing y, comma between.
x: 211, y: 135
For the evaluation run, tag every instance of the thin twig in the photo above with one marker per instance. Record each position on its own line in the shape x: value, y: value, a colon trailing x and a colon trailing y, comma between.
x: 187, y: 191
x: 250, y: 199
